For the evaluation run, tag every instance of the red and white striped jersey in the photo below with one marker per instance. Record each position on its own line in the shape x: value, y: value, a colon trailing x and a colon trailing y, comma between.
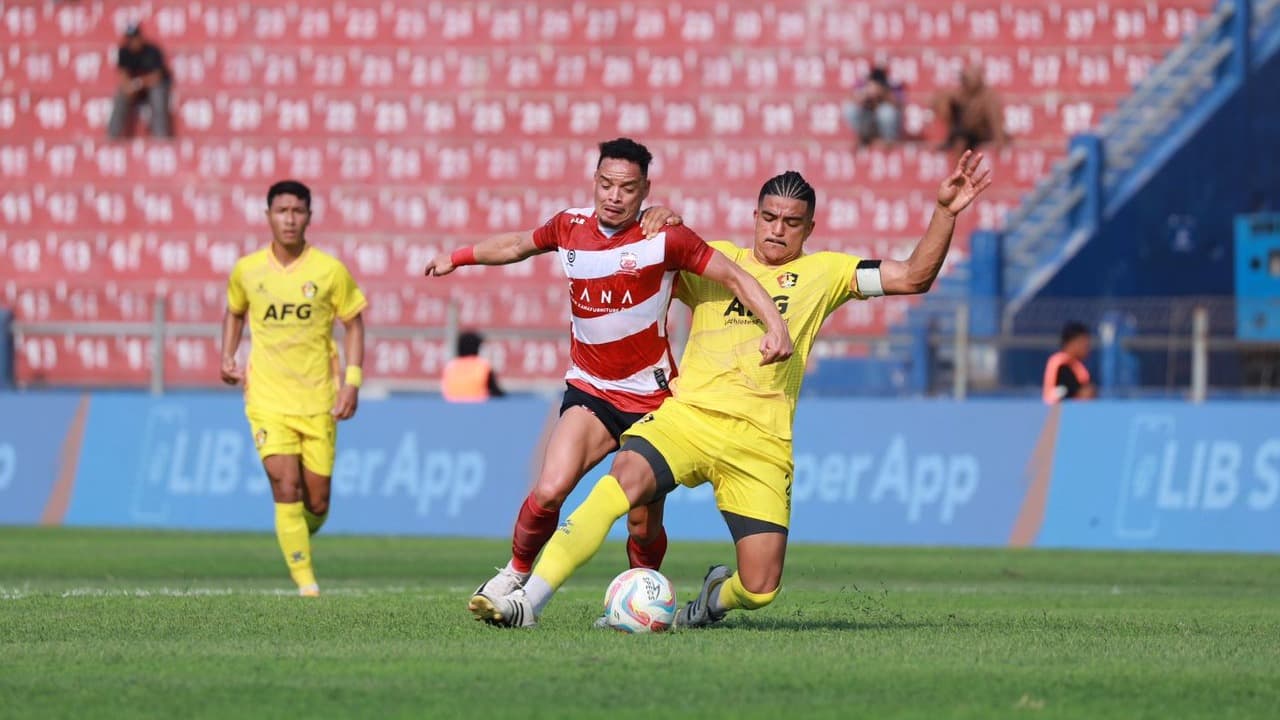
x: 619, y: 290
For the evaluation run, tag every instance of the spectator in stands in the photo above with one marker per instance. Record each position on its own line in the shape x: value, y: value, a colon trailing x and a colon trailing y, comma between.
x: 876, y: 110
x: 143, y: 79
x: 1065, y: 376
x: 469, y: 377
x: 971, y: 112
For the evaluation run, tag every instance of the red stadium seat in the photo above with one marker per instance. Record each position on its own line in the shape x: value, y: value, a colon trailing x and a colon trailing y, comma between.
x: 426, y: 126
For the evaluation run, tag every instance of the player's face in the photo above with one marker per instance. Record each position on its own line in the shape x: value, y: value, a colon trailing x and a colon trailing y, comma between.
x: 782, y: 226
x: 288, y: 217
x: 620, y: 191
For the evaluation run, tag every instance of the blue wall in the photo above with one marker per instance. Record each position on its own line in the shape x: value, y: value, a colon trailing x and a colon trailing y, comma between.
x: 1127, y: 475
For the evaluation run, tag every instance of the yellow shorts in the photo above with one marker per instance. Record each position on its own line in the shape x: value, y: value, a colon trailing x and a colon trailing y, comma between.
x: 749, y: 469
x: 314, y: 437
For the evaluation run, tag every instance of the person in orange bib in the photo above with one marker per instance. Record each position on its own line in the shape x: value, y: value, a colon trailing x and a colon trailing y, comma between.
x: 1065, y: 376
x: 469, y: 378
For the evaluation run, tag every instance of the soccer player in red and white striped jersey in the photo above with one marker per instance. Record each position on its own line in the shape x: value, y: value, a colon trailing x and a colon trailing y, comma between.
x: 620, y: 284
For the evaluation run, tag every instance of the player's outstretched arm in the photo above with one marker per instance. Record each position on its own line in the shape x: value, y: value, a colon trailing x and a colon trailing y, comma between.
x: 232, y: 332
x: 349, y: 393
x: 775, y: 346
x: 501, y: 249
x: 916, y: 274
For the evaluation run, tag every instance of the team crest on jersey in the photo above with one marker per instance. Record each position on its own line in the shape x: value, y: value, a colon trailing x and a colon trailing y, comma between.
x: 309, y: 290
x: 260, y: 438
x: 628, y: 263
x: 570, y: 256
x: 787, y: 280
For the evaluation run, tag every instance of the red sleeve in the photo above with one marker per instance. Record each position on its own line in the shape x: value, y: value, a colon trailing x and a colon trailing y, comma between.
x: 687, y: 251
x: 552, y: 232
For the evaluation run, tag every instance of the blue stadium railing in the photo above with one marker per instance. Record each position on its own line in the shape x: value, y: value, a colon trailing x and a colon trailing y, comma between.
x: 1100, y: 174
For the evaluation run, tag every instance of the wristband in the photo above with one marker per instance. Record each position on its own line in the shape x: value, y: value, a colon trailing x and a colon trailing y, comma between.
x: 463, y: 256
x: 355, y: 376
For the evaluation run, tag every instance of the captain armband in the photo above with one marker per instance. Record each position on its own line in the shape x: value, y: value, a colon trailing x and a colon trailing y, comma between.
x: 868, y: 276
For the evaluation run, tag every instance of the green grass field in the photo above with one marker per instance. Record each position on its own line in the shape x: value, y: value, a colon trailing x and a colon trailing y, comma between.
x: 177, y: 625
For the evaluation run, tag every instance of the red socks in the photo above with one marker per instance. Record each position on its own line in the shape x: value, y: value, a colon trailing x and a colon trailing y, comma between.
x: 534, y: 527
x: 648, y: 556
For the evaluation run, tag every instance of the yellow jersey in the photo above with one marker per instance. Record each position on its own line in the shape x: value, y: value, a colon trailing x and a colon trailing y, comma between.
x: 293, y: 360
x: 721, y: 370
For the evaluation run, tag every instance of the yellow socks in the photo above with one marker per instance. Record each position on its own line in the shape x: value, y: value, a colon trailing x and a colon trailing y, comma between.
x: 582, y: 534
x: 295, y: 542
x: 733, y: 596
x: 314, y: 522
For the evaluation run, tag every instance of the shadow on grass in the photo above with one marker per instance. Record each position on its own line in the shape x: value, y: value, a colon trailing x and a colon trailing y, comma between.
x: 824, y: 624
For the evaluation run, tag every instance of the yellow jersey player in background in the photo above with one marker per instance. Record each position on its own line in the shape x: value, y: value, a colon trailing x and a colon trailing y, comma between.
x: 729, y: 419
x: 291, y: 293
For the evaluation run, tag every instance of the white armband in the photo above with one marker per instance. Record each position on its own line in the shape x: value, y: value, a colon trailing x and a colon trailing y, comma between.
x: 868, y: 276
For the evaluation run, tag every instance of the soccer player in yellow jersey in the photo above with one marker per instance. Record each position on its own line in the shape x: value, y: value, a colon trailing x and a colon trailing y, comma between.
x: 729, y: 419
x: 291, y: 293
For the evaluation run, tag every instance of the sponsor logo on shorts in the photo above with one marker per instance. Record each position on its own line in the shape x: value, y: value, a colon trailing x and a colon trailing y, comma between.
x: 309, y: 290
x: 260, y: 437
x: 787, y: 280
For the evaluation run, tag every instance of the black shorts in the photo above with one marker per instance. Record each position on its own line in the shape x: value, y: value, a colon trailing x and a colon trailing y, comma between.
x: 615, y: 420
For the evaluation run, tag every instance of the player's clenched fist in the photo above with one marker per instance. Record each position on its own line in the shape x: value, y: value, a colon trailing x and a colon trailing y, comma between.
x: 441, y: 265
x: 231, y: 374
x: 775, y: 346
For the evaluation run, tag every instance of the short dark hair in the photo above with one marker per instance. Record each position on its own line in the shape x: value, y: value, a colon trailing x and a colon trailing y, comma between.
x: 626, y: 149
x: 1073, y: 330
x: 290, y: 187
x: 790, y: 184
x: 469, y: 343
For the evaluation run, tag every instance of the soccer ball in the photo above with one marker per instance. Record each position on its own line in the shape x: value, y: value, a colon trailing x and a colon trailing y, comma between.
x: 640, y: 600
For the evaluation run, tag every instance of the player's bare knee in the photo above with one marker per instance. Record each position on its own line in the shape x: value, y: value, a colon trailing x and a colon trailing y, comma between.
x: 552, y: 490
x: 635, y: 476
x: 285, y: 488
x: 642, y: 531
x: 765, y: 585
x: 316, y: 505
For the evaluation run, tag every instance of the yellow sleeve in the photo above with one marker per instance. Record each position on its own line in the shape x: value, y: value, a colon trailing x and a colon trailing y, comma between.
x: 348, y: 301
x: 691, y: 289
x: 237, y: 299
x: 685, y: 290
x: 842, y: 288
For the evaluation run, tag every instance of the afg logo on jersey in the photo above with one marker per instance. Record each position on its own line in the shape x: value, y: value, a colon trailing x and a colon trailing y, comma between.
x: 282, y: 312
x: 309, y: 290
x: 260, y: 437
x: 628, y: 263
x: 787, y: 280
